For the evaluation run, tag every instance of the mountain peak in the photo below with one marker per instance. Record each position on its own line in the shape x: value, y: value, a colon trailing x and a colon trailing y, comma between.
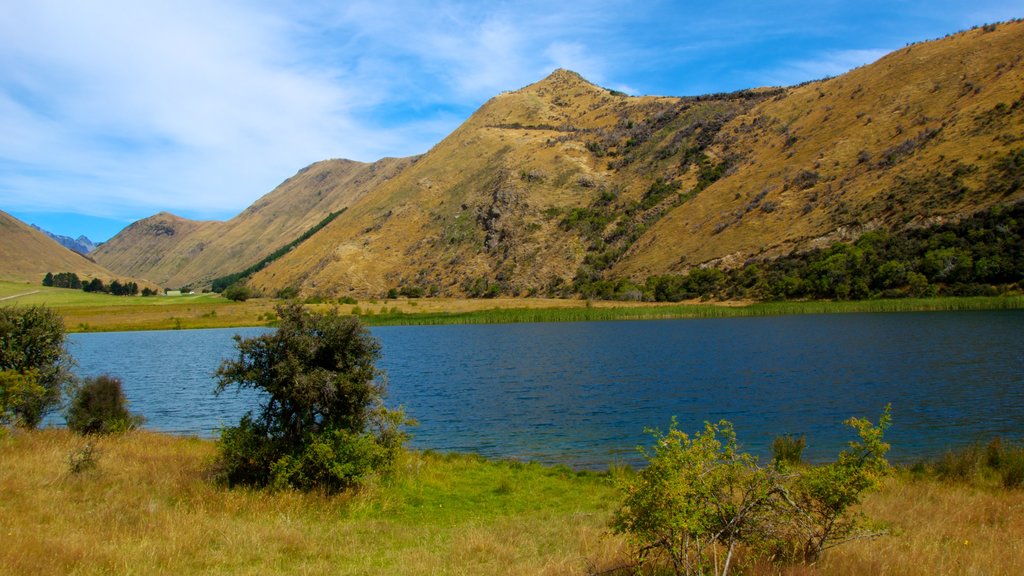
x: 562, y: 79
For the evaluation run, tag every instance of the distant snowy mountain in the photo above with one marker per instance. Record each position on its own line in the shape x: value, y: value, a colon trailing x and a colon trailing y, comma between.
x: 82, y: 245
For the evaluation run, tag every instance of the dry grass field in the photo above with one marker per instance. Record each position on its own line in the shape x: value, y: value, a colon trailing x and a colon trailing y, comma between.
x: 149, y: 507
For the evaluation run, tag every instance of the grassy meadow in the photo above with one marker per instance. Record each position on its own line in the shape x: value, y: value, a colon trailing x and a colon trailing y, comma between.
x: 148, y: 506
x: 86, y: 312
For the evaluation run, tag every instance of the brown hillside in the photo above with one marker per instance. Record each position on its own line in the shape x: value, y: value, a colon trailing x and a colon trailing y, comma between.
x: 26, y: 255
x: 174, y: 252
x: 491, y: 203
x: 563, y: 179
x: 920, y: 136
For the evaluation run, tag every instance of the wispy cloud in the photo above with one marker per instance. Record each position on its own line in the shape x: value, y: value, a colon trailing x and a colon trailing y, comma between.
x: 121, y: 108
x: 829, y: 63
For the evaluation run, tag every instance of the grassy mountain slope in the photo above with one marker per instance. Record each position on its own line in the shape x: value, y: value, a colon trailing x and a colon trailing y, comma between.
x: 930, y: 132
x: 498, y: 202
x: 26, y: 255
x: 174, y: 251
x: 563, y: 180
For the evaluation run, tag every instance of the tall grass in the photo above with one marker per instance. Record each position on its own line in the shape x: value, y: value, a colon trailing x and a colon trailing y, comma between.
x: 581, y: 314
x: 145, y: 506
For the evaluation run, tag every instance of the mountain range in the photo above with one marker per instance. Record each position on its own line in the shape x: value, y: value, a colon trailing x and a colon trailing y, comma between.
x: 27, y: 254
x: 82, y: 244
x: 563, y: 180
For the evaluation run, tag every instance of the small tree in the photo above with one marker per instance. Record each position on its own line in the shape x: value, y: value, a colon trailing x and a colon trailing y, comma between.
x: 33, y: 356
x: 322, y: 422
x: 99, y: 407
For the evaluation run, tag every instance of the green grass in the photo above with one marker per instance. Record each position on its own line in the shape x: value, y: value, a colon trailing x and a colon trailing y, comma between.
x: 30, y: 295
x: 85, y: 312
x: 149, y: 507
x: 517, y: 315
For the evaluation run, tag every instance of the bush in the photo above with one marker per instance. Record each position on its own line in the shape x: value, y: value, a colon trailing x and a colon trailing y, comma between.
x: 237, y: 292
x: 788, y: 450
x: 700, y: 497
x: 99, y: 407
x: 997, y: 463
x: 34, y: 364
x: 322, y: 422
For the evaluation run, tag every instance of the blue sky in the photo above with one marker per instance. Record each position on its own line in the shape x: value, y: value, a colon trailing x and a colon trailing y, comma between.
x: 113, y: 110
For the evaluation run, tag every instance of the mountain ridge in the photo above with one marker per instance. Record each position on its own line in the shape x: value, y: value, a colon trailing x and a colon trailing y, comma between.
x: 563, y: 182
x: 27, y: 254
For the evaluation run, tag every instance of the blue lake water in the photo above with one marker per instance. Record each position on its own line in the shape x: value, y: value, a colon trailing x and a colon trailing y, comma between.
x: 582, y: 393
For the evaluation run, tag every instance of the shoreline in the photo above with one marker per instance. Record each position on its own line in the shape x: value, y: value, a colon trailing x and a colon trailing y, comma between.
x: 103, y: 313
x: 259, y: 313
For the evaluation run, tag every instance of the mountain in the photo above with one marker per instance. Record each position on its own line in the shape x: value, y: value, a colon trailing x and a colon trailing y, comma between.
x: 173, y: 251
x: 564, y: 182
x: 82, y: 244
x: 27, y: 254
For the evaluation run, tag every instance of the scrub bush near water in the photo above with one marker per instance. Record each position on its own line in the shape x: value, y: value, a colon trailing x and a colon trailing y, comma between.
x: 700, y: 500
x: 99, y: 407
x: 322, y: 423
x: 34, y: 366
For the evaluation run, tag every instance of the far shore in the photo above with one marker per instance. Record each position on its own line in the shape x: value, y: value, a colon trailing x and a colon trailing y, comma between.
x: 103, y: 313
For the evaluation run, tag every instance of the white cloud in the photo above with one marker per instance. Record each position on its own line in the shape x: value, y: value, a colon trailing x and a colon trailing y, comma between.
x: 192, y: 106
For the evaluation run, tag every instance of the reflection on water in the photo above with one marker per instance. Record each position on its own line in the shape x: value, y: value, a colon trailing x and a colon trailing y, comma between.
x: 582, y: 393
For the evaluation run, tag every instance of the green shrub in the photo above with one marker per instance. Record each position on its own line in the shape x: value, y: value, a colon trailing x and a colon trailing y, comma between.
x: 996, y: 463
x: 237, y: 292
x: 35, y: 363
x: 322, y: 423
x: 99, y: 407
x: 700, y: 497
x: 788, y: 449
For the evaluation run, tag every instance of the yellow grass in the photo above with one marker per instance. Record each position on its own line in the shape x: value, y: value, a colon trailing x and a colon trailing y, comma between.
x: 148, y: 508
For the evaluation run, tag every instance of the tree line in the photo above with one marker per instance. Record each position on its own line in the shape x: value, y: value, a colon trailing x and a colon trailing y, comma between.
x: 982, y: 255
x: 114, y: 287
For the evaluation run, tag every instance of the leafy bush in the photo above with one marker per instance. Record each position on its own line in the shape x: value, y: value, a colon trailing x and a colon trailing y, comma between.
x: 99, y: 407
x: 237, y: 292
x: 699, y: 498
x: 34, y: 364
x: 695, y: 495
x: 322, y: 422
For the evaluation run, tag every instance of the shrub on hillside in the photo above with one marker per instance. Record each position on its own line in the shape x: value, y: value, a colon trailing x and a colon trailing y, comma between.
x: 99, y: 407
x: 322, y: 422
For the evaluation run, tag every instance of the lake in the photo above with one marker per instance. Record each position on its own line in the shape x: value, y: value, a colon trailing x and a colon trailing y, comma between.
x: 582, y: 394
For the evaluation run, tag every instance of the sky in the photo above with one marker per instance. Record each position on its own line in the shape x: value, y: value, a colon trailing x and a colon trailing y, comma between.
x: 114, y: 110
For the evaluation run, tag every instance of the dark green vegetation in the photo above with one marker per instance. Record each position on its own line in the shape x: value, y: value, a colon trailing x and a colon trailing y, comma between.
x: 700, y: 498
x: 223, y: 282
x: 322, y: 423
x: 34, y: 367
x: 98, y: 406
x: 395, y: 317
x: 997, y: 463
x: 114, y: 287
x: 979, y: 256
